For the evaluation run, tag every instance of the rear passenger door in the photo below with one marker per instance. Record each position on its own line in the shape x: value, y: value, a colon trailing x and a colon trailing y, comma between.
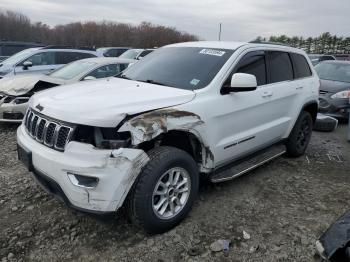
x: 305, y: 84
x: 282, y: 91
x: 65, y: 57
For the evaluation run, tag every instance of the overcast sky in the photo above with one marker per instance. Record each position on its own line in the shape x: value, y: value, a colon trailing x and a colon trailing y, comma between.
x: 242, y: 20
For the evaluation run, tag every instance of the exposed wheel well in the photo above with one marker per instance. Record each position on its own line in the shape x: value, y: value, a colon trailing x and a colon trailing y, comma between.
x: 312, y: 108
x: 179, y: 139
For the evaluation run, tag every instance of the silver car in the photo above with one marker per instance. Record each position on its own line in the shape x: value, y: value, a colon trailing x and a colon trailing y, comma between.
x: 42, y: 60
x: 16, y: 91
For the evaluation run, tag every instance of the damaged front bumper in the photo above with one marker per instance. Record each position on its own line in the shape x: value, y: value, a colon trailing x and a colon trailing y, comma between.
x: 68, y: 174
x: 334, y: 244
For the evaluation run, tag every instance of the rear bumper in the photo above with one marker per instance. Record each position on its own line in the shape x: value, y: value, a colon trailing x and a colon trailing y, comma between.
x: 116, y: 171
x: 12, y: 113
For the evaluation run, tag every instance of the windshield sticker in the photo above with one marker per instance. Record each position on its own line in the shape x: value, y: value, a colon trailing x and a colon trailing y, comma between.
x: 212, y: 52
x: 195, y: 82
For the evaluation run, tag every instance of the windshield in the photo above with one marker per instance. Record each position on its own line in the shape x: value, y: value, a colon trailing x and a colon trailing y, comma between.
x: 18, y: 57
x: 131, y: 53
x: 181, y: 67
x: 73, y: 69
x: 334, y: 71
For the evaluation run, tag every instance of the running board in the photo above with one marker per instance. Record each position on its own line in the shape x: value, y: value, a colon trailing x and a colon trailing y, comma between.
x: 249, y: 163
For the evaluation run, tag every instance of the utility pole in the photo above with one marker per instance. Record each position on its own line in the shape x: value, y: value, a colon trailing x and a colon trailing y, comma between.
x: 220, y: 32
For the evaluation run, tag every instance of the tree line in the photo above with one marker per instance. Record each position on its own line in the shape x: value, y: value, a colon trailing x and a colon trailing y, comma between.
x: 326, y: 43
x: 18, y: 27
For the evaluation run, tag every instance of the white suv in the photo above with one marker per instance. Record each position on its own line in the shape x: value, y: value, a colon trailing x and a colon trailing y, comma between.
x: 211, y: 109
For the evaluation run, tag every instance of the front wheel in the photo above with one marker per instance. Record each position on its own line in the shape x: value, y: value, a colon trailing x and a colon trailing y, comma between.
x: 300, y: 136
x: 165, y: 190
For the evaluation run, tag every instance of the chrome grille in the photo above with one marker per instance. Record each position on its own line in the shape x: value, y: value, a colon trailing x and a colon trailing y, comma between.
x: 46, y: 131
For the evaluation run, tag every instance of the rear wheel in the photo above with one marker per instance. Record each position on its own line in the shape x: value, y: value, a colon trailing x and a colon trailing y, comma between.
x: 165, y: 190
x: 300, y: 136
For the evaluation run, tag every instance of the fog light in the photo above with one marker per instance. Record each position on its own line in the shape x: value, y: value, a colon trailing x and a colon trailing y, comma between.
x: 83, y: 181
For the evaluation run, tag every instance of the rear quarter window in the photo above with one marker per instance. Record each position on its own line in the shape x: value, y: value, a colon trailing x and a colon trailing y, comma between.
x: 301, y: 66
x: 281, y: 68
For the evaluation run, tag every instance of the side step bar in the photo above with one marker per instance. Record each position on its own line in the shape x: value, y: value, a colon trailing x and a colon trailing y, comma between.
x: 247, y: 164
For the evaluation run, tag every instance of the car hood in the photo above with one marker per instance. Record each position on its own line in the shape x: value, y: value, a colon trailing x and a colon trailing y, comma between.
x: 22, y: 84
x: 333, y: 86
x: 106, y: 102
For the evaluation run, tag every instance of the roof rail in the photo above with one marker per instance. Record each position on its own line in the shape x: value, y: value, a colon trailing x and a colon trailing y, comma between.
x: 268, y: 43
x: 69, y: 47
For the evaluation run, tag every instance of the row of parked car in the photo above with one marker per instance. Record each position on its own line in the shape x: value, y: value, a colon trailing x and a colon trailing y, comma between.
x: 38, y: 68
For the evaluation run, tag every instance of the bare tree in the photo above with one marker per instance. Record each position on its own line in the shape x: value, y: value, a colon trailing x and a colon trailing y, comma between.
x: 17, y: 27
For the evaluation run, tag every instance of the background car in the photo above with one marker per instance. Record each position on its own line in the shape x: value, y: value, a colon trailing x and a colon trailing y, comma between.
x: 15, y: 91
x: 136, y: 53
x: 42, y: 59
x: 112, y: 51
x: 335, y: 88
x: 9, y: 48
x: 316, y: 58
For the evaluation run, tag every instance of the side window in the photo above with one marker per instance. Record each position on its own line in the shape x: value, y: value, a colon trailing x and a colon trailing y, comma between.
x: 67, y: 57
x: 45, y: 58
x: 112, y: 53
x: 108, y: 70
x: 281, y: 68
x: 144, y: 53
x: 253, y: 63
x: 301, y: 66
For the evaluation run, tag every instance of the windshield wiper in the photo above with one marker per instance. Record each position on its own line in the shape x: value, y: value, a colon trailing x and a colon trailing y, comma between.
x: 150, y: 81
x: 123, y: 76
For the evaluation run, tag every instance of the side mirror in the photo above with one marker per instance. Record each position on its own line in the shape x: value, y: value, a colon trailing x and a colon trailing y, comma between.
x: 27, y: 64
x: 89, y: 78
x: 241, y: 82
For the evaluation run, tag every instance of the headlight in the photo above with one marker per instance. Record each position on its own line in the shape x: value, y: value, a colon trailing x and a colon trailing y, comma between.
x: 102, y: 138
x: 5, y: 72
x: 342, y: 94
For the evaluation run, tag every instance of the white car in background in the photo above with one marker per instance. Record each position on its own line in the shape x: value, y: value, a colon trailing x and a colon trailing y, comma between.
x: 15, y: 91
x: 43, y: 59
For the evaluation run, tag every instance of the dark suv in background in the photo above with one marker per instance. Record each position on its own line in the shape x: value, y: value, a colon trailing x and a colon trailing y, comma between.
x: 8, y: 48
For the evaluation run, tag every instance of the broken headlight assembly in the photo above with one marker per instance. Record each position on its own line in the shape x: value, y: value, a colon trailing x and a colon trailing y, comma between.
x: 102, y: 138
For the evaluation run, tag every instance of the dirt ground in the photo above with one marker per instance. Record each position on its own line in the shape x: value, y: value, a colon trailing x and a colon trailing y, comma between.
x: 284, y: 206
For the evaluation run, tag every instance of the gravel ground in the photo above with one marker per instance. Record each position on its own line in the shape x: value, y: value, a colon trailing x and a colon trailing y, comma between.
x: 283, y: 207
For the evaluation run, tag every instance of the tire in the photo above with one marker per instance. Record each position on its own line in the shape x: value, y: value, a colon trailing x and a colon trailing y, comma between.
x: 325, y: 124
x: 300, y: 136
x: 153, y: 192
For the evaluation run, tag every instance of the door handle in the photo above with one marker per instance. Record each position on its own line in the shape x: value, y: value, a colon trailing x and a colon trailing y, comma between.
x: 267, y: 94
x: 299, y: 87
